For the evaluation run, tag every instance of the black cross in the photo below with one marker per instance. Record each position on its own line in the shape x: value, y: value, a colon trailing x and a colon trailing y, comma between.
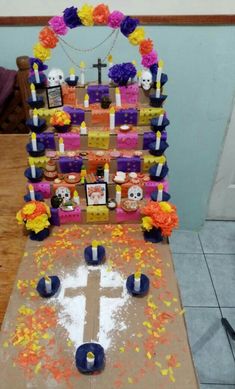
x: 99, y: 66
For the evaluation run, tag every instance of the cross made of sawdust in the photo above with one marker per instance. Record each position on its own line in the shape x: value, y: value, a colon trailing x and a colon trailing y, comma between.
x: 93, y: 293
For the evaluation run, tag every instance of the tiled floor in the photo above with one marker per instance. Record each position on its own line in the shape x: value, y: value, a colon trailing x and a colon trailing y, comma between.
x: 205, y: 267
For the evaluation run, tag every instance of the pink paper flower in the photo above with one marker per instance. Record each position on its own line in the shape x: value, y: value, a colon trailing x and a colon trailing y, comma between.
x: 115, y: 19
x: 149, y: 59
x: 58, y: 25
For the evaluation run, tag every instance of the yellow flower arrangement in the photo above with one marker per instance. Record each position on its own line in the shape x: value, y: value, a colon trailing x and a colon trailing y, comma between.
x: 38, y: 224
x: 34, y: 215
x: 147, y: 223
x: 137, y: 36
x: 41, y: 52
x: 165, y: 206
x: 60, y: 118
x: 86, y: 15
x: 29, y: 208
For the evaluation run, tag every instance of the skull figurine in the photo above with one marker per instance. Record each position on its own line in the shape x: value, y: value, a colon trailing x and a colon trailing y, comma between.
x: 63, y: 193
x: 55, y: 77
x: 135, y: 192
x: 146, y: 79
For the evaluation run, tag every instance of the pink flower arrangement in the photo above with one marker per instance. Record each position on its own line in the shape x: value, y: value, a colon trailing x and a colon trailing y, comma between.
x: 58, y: 25
x: 115, y: 19
x: 149, y: 59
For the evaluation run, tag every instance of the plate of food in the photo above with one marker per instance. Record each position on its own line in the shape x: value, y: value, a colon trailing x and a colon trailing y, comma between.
x: 129, y: 205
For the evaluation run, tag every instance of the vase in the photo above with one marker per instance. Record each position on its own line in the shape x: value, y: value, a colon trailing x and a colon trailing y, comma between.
x: 154, y: 235
x: 40, y: 235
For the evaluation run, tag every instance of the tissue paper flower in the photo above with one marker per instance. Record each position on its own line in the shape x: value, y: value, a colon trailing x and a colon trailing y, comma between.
x: 128, y: 25
x: 58, y: 25
x: 71, y: 17
x: 38, y: 224
x: 60, y: 118
x: 86, y: 15
x: 48, y: 38
x: 31, y: 210
x: 41, y: 52
x: 115, y: 19
x: 121, y: 73
x: 149, y: 59
x: 147, y: 223
x: 146, y: 46
x: 101, y: 14
x: 137, y: 36
x: 163, y: 215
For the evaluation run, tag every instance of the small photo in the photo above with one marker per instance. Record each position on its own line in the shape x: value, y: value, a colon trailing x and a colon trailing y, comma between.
x: 54, y: 96
x: 96, y: 193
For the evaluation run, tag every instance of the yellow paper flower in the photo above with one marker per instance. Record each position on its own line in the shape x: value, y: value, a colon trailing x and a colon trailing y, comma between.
x: 38, y: 223
x: 41, y: 52
x: 147, y: 223
x: 28, y: 209
x: 165, y: 206
x: 137, y: 36
x: 86, y: 15
x: 19, y: 217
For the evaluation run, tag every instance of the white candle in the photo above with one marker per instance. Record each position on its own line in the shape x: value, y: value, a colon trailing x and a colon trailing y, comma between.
x: 158, y: 140
x: 158, y: 89
x: 137, y: 281
x: 82, y: 73
x: 133, y: 79
x: 48, y: 285
x: 106, y: 173
x: 61, y: 145
x: 76, y: 197
x: 160, y: 166
x: 31, y: 192
x: 118, y: 194
x: 160, y: 119
x: 160, y: 192
x: 139, y: 74
x: 35, y: 117
x: 34, y: 141
x: 112, y: 118
x: 159, y: 71
x: 110, y: 63
x: 86, y: 101
x: 33, y: 92
x: 33, y: 170
x: 90, y: 360
x: 36, y: 73
x: 83, y: 128
x: 72, y: 74
x: 118, y: 97
x: 94, y: 247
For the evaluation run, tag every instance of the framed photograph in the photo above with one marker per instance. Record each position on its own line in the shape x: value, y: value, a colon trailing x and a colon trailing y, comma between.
x: 96, y: 193
x: 54, y: 96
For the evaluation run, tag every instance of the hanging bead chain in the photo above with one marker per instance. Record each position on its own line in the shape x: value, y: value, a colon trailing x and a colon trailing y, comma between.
x: 90, y: 49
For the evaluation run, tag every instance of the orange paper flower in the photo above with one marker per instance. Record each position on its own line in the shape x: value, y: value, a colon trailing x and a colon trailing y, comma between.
x: 163, y: 215
x: 48, y: 38
x: 101, y: 14
x: 146, y: 46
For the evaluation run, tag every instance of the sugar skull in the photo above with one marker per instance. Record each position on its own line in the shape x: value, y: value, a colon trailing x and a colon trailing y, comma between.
x: 63, y: 193
x: 55, y: 77
x: 135, y: 192
x: 146, y: 79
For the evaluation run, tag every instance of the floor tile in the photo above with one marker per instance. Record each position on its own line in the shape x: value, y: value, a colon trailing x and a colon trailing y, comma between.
x: 218, y: 237
x: 194, y: 280
x: 210, y: 347
x: 185, y: 242
x: 229, y: 314
x: 222, y: 269
x: 212, y: 386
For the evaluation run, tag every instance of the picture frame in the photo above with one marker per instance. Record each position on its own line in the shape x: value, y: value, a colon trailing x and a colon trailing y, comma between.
x: 96, y: 193
x: 54, y: 96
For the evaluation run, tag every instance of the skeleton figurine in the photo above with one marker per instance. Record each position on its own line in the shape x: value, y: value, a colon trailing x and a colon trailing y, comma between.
x: 63, y: 193
x: 146, y: 79
x: 55, y: 77
x: 135, y: 192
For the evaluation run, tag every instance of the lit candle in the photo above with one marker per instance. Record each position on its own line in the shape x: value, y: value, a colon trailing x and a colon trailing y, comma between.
x: 133, y: 79
x: 160, y: 166
x: 86, y: 101
x: 137, y: 281
x: 83, y: 172
x: 94, y: 247
x: 118, y: 194
x: 83, y: 128
x: 35, y: 117
x: 36, y: 73
x: 112, y: 118
x: 160, y: 119
x: 118, y: 97
x: 158, y: 89
x: 61, y: 145
x: 106, y: 173
x: 34, y: 141
x: 110, y: 63
x: 33, y: 92
x: 90, y: 360
x: 82, y: 73
x: 159, y: 70
x: 139, y: 74
x: 76, y: 197
x: 158, y: 140
x: 72, y: 74
x: 31, y: 192
x: 160, y: 192
x: 33, y: 170
x: 47, y: 284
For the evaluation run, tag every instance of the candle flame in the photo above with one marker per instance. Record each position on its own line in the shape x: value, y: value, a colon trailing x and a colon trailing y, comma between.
x: 110, y: 58
x: 31, y: 189
x: 83, y: 125
x: 112, y: 110
x: 90, y: 355
x: 137, y: 275
x: 106, y: 166
x: 160, y: 186
x: 35, y: 112
x: 86, y: 97
x: 48, y: 279
x: 82, y: 65
x: 158, y: 84
x: 75, y: 194
x: 117, y: 91
x: 139, y: 73
x: 35, y: 66
x: 61, y: 141
x: 160, y: 63
x: 118, y: 188
x: 158, y: 134
x: 33, y: 136
x: 94, y: 243
x: 72, y: 71
x: 32, y: 87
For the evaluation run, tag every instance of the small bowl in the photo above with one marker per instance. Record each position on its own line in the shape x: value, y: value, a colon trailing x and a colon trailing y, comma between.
x: 157, y: 101
x: 111, y: 204
x: 100, y: 255
x: 71, y: 83
x: 55, y: 285
x: 40, y: 150
x: 39, y: 174
x: 144, y: 285
x: 81, y: 354
x: 37, y: 129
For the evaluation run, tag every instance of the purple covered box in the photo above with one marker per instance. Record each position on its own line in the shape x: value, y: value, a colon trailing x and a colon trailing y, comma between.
x: 47, y: 139
x: 55, y: 219
x: 77, y: 115
x: 132, y: 164
x: 70, y: 164
x: 96, y: 92
x: 126, y: 116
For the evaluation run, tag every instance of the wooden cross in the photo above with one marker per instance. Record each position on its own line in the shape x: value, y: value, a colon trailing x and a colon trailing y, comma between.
x: 93, y: 293
x: 99, y: 66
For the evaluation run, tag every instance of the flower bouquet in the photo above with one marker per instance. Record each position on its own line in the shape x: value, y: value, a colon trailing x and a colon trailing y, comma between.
x: 121, y: 73
x: 61, y: 121
x: 159, y: 220
x: 35, y: 215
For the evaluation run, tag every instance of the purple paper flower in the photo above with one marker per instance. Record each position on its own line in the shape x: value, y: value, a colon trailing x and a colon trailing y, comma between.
x: 149, y: 59
x: 41, y: 65
x: 115, y: 19
x: 58, y: 25
x: 128, y: 25
x: 121, y: 73
x: 71, y: 17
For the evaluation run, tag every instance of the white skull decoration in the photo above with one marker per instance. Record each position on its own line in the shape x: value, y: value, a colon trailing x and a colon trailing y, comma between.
x: 55, y: 77
x: 63, y: 193
x: 146, y: 79
x: 135, y: 192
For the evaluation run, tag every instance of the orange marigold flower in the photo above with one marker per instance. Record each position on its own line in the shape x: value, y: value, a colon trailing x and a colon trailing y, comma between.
x: 146, y: 46
x: 48, y: 38
x: 164, y: 216
x: 101, y: 14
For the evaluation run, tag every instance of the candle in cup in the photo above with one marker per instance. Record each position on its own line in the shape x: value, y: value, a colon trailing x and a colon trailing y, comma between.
x: 82, y: 73
x: 31, y: 192
x: 158, y: 89
x: 72, y: 74
x: 33, y: 170
x: 61, y: 145
x: 90, y: 360
x: 36, y: 73
x: 137, y: 281
x: 160, y: 192
x: 48, y: 285
x: 83, y: 128
x: 112, y: 118
x: 118, y: 194
x: 106, y: 173
x: 33, y: 92
x: 35, y: 117
x: 94, y: 248
x: 76, y: 197
x: 158, y: 140
x: 86, y: 101
x: 159, y: 71
x: 118, y: 97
